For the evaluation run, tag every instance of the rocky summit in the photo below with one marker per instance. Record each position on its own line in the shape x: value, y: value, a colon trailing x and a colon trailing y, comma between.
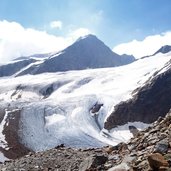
x: 149, y: 150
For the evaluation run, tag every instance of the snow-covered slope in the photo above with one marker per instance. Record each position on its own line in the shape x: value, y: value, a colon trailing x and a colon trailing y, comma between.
x: 71, y: 107
x: 14, y: 66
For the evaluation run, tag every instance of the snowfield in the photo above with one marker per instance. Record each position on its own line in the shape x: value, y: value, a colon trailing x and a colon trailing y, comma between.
x: 56, y: 107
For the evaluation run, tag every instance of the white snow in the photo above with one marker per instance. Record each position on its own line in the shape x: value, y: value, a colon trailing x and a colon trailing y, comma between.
x: 122, y: 166
x: 52, y: 119
x: 64, y: 116
x: 3, y: 142
x: 30, y: 65
x: 123, y: 131
x: 3, y: 158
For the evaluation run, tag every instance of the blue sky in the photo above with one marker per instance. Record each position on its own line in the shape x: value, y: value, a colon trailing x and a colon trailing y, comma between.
x: 113, y: 21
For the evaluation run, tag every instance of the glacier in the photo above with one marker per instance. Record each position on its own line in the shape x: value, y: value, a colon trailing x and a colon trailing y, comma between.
x: 56, y: 107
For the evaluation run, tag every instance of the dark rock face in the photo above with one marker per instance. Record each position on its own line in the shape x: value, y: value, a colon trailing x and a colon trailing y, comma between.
x: 12, y: 68
x: 85, y: 53
x: 150, y: 102
x: 11, y: 130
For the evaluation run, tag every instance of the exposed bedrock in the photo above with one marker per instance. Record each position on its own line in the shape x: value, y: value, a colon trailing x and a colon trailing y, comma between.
x: 150, y: 102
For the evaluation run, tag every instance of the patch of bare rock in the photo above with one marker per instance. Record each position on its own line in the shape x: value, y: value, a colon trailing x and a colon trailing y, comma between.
x: 149, y: 150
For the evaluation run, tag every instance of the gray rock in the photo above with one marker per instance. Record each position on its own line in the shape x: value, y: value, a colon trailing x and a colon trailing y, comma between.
x: 133, y: 130
x: 120, y: 167
x: 92, y: 161
x: 161, y: 147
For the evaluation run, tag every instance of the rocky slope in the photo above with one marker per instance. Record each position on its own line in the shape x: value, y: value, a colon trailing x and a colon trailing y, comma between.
x: 148, y: 102
x: 149, y: 150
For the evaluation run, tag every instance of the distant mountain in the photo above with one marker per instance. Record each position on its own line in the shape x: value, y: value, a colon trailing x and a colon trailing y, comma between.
x: 163, y: 49
x: 86, y: 52
x: 35, y: 56
x: 13, y: 67
x: 127, y: 58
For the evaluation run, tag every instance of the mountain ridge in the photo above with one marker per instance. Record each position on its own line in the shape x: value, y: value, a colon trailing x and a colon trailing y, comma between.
x: 86, y: 52
x: 164, y: 49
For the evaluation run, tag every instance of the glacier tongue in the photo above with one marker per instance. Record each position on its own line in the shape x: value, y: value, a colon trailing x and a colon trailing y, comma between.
x: 56, y: 107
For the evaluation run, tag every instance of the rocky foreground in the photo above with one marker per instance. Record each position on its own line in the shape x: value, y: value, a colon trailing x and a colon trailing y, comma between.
x: 148, y: 150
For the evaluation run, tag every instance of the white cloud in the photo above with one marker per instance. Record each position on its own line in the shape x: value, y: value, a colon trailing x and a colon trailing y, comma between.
x: 79, y: 33
x: 148, y: 46
x: 16, y: 41
x: 56, y: 24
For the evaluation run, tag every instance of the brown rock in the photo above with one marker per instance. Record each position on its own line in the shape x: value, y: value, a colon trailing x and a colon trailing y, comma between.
x: 163, y: 168
x: 109, y: 149
x: 156, y: 161
x: 170, y: 144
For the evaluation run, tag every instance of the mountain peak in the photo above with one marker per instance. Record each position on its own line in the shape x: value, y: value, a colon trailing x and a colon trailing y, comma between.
x: 88, y: 38
x: 87, y: 52
x: 164, y: 49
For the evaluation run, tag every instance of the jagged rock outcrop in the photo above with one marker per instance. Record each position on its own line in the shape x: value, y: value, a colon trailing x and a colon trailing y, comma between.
x: 149, y: 102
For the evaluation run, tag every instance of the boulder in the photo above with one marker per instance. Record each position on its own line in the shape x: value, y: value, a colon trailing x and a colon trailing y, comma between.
x: 157, y: 161
x: 96, y: 108
x: 92, y: 162
x: 161, y: 146
x: 134, y: 130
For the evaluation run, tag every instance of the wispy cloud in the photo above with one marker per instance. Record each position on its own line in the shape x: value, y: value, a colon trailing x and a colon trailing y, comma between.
x: 79, y: 32
x: 56, y: 24
x: 145, y: 47
x: 16, y: 41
